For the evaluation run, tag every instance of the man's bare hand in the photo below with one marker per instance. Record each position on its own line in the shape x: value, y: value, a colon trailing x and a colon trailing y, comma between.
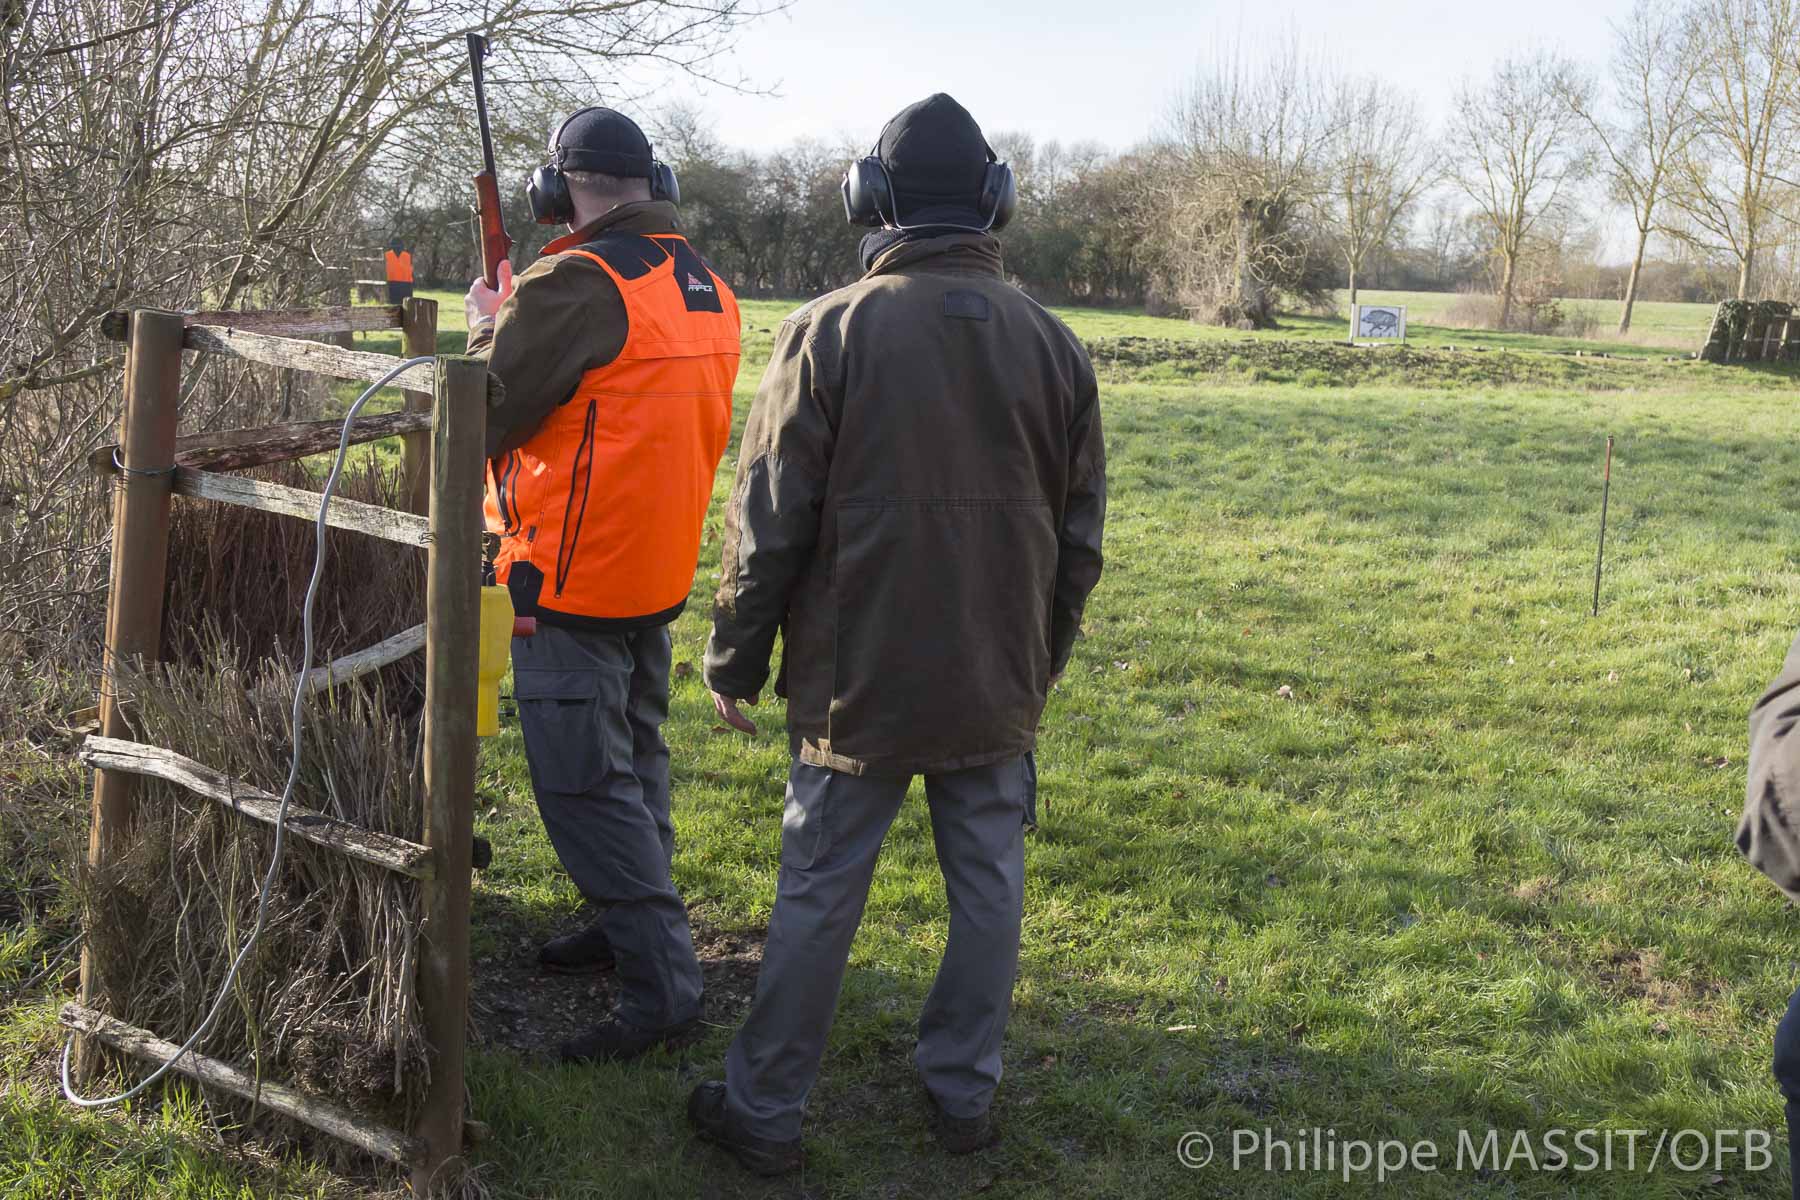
x: 727, y: 708
x: 483, y: 302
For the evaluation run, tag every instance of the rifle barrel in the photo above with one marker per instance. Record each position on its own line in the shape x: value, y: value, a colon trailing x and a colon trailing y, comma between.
x: 477, y: 52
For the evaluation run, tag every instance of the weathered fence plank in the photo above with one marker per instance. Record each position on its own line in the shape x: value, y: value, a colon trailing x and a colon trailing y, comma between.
x: 380, y: 849
x: 372, y: 519
x: 283, y: 322
x: 241, y: 449
x: 317, y: 357
x: 372, y: 658
x: 323, y: 1115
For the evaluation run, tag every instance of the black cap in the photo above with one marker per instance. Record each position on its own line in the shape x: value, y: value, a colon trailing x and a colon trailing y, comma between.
x: 935, y: 156
x: 600, y: 139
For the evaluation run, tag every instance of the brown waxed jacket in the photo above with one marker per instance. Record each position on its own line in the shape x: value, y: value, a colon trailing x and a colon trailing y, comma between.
x: 918, y: 509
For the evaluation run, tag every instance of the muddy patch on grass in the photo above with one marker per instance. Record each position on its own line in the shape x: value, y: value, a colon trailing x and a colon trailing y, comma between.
x: 1250, y: 1079
x: 1641, y: 975
x: 518, y: 1006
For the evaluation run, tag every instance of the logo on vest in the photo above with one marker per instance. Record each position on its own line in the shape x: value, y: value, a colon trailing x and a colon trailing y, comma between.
x: 694, y: 284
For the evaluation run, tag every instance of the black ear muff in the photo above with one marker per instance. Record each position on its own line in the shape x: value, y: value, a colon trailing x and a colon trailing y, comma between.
x: 868, y: 194
x: 663, y: 185
x: 546, y: 190
x: 999, y: 195
x: 548, y: 193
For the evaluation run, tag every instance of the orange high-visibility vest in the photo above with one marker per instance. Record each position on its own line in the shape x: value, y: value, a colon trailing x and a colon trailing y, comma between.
x: 600, y: 512
x: 399, y: 267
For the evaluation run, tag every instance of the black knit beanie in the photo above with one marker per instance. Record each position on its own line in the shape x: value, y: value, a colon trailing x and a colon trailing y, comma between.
x: 604, y: 140
x: 936, y: 158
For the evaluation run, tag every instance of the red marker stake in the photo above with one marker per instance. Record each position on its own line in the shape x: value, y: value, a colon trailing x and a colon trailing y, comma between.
x: 1605, y: 496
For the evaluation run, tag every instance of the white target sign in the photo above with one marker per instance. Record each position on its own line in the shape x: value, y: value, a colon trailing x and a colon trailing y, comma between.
x: 1378, y: 323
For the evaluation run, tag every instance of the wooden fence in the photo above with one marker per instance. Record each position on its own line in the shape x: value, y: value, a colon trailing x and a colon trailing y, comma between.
x: 368, y: 278
x: 444, y: 427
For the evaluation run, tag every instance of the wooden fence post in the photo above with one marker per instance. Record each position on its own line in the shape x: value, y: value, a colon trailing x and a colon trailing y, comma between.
x: 419, y: 330
x: 452, y: 627
x: 140, y: 564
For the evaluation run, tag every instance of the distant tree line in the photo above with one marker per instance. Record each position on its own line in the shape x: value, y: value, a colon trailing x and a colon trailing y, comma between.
x: 1273, y: 181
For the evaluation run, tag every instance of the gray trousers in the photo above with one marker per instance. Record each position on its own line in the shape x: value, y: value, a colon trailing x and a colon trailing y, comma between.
x: 831, y: 834
x: 591, y: 706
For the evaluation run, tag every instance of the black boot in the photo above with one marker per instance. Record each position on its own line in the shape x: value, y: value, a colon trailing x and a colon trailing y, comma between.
x: 713, y: 1121
x: 579, y: 953
x: 615, y: 1040
x: 961, y: 1135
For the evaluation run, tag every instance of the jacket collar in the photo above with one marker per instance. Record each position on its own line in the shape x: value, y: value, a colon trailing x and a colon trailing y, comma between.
x: 966, y: 253
x: 640, y: 216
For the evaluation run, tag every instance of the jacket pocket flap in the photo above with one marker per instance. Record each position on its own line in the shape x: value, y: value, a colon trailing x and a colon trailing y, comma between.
x: 549, y: 683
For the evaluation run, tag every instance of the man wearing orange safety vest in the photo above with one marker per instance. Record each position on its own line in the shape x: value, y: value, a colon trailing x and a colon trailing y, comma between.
x: 617, y: 350
x: 399, y: 272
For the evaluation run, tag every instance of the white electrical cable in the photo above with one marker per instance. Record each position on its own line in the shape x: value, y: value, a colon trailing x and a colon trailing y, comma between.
x: 287, y: 793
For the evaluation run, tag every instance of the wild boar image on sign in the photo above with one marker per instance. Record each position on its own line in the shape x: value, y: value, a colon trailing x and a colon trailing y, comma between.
x: 1384, y: 322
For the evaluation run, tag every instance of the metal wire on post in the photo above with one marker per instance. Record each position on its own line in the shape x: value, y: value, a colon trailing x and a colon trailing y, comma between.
x: 297, y: 723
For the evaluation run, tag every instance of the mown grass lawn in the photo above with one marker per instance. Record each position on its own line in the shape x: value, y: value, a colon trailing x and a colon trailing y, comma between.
x: 1354, y: 818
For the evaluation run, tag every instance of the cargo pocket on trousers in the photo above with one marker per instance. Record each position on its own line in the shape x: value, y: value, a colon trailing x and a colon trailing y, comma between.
x: 805, y: 838
x: 557, y: 715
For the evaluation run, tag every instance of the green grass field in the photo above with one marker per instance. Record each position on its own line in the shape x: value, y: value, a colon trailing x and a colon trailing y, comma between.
x: 1355, y: 818
x: 1658, y: 329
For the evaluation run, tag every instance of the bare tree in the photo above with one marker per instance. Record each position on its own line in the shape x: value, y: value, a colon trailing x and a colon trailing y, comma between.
x: 1649, y: 122
x: 1379, y: 163
x: 1240, y: 170
x: 188, y: 153
x: 1442, y: 227
x: 1746, y: 89
x: 1520, y: 144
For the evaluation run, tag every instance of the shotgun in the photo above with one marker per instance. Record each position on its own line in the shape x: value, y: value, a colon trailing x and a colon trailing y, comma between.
x: 495, y: 244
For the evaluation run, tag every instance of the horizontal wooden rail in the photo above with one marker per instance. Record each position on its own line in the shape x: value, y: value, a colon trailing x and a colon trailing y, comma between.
x: 373, y: 658
x: 380, y: 849
x: 241, y: 449
x: 317, y: 357
x: 322, y: 1115
x: 372, y: 519
x: 285, y: 322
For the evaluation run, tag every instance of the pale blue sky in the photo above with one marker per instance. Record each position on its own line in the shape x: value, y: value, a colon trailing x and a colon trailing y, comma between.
x: 1091, y: 70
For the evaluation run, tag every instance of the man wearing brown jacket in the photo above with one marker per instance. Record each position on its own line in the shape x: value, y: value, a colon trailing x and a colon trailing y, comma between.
x: 1769, y: 836
x: 918, y: 509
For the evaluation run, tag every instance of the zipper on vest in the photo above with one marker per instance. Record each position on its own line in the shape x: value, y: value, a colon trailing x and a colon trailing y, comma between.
x: 508, y: 498
x: 512, y: 488
x: 580, y: 479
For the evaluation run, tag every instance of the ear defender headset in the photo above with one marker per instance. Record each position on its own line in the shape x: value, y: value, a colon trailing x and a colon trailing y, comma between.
x: 548, y: 187
x: 869, y: 196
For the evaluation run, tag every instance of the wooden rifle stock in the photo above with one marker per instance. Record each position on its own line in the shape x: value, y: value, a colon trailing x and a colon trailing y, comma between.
x: 495, y: 244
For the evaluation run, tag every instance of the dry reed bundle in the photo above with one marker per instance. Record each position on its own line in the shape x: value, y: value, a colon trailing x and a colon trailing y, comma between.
x: 326, y: 1000
x: 242, y: 574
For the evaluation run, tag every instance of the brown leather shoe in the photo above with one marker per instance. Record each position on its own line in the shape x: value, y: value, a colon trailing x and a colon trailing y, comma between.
x: 579, y: 953
x: 962, y: 1135
x: 616, y: 1040
x: 712, y: 1120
